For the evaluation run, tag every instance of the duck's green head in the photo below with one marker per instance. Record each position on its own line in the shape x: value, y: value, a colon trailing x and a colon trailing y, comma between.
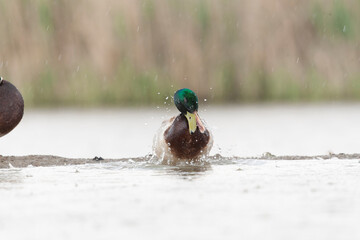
x: 187, y: 102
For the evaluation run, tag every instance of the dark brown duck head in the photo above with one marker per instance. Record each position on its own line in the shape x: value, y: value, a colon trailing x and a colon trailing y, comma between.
x: 11, y: 107
x: 187, y: 136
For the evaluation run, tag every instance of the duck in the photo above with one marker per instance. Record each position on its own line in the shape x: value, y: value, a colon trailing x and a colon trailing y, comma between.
x: 185, y: 137
x: 11, y: 107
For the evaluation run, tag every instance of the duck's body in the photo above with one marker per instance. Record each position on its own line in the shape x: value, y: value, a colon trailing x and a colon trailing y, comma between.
x: 11, y: 107
x: 183, y: 138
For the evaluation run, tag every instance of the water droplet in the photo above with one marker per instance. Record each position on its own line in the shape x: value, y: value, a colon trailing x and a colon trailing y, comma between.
x: 205, y: 99
x: 158, y: 93
x: 167, y: 98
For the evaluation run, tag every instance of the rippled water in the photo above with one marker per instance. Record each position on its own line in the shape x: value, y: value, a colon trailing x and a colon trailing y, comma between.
x: 224, y: 198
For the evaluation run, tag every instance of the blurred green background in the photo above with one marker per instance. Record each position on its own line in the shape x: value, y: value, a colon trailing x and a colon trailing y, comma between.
x: 114, y: 52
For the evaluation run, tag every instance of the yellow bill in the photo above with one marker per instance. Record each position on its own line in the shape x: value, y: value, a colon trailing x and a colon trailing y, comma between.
x: 191, y: 117
x: 194, y: 121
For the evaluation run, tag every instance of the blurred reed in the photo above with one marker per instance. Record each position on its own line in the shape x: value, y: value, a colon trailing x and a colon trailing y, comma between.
x: 121, y: 52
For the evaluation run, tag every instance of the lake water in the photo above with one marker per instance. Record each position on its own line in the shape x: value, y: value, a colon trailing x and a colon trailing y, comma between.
x: 238, y: 131
x: 222, y: 199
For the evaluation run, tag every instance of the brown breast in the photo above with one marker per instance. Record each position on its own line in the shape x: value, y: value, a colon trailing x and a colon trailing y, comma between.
x: 183, y: 144
x: 11, y: 107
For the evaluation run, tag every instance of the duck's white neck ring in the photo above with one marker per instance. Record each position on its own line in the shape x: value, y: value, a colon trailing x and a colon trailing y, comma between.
x: 1, y: 80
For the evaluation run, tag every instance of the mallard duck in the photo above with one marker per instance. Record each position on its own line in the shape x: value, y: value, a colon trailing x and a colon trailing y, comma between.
x: 183, y: 137
x: 11, y: 107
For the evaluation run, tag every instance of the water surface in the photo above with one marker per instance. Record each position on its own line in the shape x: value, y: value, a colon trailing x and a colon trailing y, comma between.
x: 238, y: 130
x: 224, y: 198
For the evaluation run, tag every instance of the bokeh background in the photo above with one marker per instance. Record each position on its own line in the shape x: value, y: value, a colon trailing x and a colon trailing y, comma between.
x: 117, y: 52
